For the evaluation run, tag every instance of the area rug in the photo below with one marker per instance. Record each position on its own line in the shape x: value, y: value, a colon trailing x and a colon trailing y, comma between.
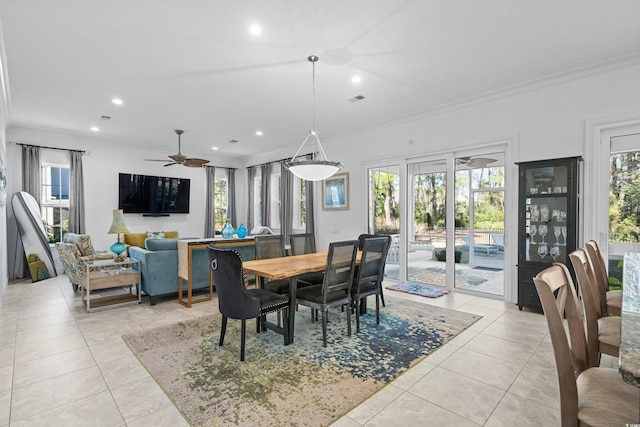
x: 302, y: 384
x: 418, y: 289
x: 436, y: 276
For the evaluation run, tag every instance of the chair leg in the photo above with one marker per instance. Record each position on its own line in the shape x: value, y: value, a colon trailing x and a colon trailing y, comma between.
x: 243, y: 330
x: 381, y: 294
x: 378, y: 310
x: 349, y: 322
x: 223, y: 329
x: 324, y: 327
x: 357, y: 303
x: 285, y: 324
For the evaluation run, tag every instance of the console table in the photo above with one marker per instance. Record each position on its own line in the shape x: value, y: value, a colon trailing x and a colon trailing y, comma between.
x: 246, y: 247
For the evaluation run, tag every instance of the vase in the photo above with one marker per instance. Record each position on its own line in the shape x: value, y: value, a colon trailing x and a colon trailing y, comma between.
x: 241, y: 231
x: 227, y: 231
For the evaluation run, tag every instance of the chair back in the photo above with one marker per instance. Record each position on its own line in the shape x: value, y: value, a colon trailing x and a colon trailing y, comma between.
x: 558, y: 297
x: 587, y: 287
x: 228, y: 279
x: 339, y: 270
x: 269, y: 246
x: 600, y: 271
x: 302, y: 244
x: 374, y: 253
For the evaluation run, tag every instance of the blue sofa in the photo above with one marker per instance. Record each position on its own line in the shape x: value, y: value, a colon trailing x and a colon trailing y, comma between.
x: 159, y: 268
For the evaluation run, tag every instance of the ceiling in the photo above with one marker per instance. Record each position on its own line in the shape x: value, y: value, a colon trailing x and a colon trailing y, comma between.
x: 194, y: 65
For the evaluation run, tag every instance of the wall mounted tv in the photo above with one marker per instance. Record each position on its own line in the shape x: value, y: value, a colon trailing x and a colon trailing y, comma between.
x: 153, y: 195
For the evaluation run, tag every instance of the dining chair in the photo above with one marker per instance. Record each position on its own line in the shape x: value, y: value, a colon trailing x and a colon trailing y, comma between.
x: 235, y: 301
x: 271, y: 246
x: 603, y: 333
x: 369, y: 274
x: 610, y: 301
x: 361, y: 239
x: 588, y: 395
x: 335, y: 290
x: 306, y: 244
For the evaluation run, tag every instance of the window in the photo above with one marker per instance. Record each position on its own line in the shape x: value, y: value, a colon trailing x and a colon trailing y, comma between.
x: 275, y: 203
x: 298, y: 199
x: 299, y: 205
x: 221, y: 197
x: 55, y: 200
x: 257, y: 205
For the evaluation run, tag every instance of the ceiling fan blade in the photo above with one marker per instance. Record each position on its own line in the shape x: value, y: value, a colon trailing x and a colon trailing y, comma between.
x: 195, y: 163
x: 171, y: 164
x: 178, y: 158
x: 155, y: 160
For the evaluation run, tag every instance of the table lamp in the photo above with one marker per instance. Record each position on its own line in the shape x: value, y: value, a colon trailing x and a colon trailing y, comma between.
x: 117, y: 227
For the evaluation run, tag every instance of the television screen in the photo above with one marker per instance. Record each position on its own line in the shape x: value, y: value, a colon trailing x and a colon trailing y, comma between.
x: 153, y: 194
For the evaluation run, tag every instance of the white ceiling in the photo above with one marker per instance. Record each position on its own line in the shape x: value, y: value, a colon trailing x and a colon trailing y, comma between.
x: 193, y: 65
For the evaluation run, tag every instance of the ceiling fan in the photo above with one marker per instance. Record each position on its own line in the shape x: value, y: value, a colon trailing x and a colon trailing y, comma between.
x: 474, y: 162
x: 181, y: 159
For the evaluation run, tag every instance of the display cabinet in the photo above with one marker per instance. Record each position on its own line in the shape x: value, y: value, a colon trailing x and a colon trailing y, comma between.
x: 548, y: 220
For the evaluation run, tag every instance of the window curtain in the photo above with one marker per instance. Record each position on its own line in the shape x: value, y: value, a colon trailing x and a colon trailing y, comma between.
x: 210, y: 205
x: 231, y: 196
x: 310, y: 214
x: 265, y: 199
x: 251, y: 176
x: 286, y: 201
x: 31, y: 166
x: 76, y: 196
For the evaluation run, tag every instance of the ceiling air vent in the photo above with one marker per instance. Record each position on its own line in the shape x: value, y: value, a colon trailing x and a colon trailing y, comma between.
x: 105, y: 117
x: 232, y: 141
x: 356, y: 98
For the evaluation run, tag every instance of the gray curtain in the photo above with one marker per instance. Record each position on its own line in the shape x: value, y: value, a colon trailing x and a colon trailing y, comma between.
x: 76, y: 198
x: 231, y: 197
x: 265, y: 200
x: 31, y: 181
x: 286, y: 202
x: 251, y: 176
x: 310, y: 217
x: 210, y: 205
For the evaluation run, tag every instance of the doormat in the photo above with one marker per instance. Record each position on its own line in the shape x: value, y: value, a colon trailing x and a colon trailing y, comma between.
x: 418, y: 289
x: 436, y: 276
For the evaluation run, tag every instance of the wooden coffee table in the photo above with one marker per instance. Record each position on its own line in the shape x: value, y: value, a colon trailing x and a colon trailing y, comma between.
x: 107, y: 274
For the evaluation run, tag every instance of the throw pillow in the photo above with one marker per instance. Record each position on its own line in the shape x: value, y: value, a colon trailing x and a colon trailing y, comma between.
x: 155, y: 235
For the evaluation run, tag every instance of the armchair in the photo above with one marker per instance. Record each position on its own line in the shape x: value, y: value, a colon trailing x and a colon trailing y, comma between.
x: 73, y: 250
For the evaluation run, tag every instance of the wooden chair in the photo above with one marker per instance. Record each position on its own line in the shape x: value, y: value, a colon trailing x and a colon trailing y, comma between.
x: 588, y: 395
x: 603, y: 333
x: 335, y: 290
x: 272, y: 246
x: 610, y: 301
x: 237, y: 302
x: 306, y: 244
x: 370, y: 271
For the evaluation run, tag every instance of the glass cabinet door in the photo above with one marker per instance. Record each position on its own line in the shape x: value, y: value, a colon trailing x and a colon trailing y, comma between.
x: 546, y: 207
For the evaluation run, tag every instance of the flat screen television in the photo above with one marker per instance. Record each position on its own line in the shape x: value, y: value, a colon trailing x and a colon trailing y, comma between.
x: 153, y: 195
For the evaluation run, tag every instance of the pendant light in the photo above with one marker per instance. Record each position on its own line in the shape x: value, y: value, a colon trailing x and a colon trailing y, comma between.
x: 318, y: 167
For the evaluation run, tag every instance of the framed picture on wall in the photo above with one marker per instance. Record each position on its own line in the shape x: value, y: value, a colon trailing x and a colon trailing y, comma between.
x: 335, y: 192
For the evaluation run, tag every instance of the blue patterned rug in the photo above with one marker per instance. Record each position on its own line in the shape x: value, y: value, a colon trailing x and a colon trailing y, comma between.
x: 418, y: 289
x: 300, y: 384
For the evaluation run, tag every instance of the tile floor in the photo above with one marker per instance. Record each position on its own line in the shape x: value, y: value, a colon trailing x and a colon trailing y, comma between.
x: 61, y: 366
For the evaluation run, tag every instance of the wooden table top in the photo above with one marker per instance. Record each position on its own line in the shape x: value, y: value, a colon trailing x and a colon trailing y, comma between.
x: 285, y: 267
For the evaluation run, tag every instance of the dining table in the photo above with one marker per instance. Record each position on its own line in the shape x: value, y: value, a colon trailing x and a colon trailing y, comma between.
x: 288, y: 267
x: 629, y: 361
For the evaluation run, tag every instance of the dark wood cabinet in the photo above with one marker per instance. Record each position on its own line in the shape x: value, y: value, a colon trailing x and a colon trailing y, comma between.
x: 547, y: 220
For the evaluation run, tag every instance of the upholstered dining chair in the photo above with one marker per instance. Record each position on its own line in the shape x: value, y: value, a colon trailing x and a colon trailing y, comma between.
x: 235, y: 301
x: 369, y: 276
x: 610, y: 301
x: 361, y: 239
x: 335, y: 290
x: 603, y: 333
x: 588, y: 395
x: 306, y: 244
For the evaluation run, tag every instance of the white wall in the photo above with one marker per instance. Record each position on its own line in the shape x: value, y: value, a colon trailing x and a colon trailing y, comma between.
x: 101, y: 167
x: 4, y: 116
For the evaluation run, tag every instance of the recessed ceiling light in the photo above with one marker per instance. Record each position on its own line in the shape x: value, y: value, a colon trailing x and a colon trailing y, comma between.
x: 255, y: 29
x: 214, y: 148
x: 259, y: 132
x: 117, y: 101
x: 95, y: 128
x: 356, y: 79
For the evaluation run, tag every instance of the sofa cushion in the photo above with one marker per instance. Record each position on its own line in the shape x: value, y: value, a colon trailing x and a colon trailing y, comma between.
x: 155, y: 235
x: 156, y: 244
x: 137, y: 239
x: 83, y: 242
